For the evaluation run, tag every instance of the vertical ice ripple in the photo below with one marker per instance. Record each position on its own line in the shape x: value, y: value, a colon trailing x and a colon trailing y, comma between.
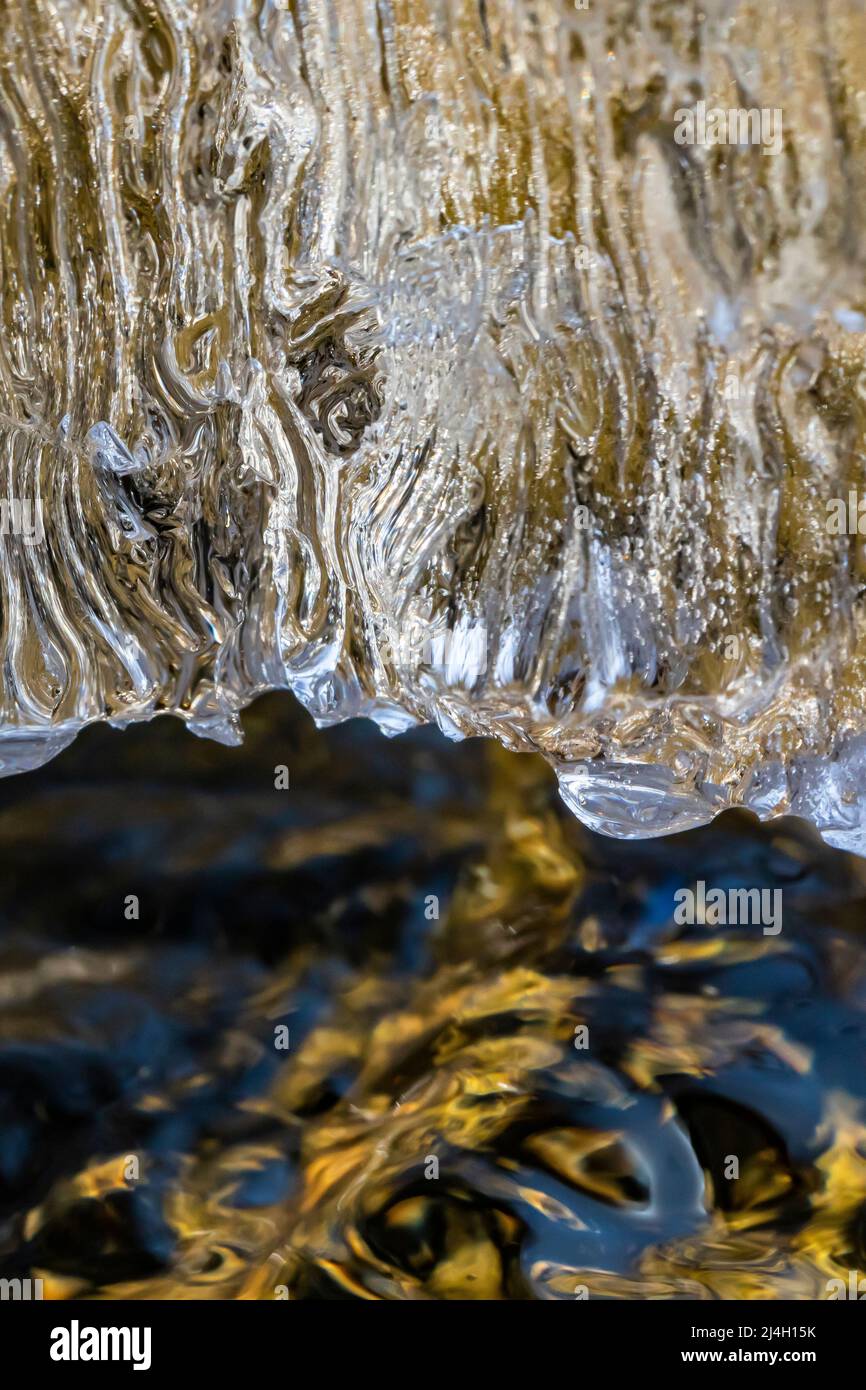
x: 397, y: 353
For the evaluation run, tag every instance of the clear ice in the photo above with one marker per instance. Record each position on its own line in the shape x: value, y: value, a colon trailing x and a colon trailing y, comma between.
x: 397, y: 352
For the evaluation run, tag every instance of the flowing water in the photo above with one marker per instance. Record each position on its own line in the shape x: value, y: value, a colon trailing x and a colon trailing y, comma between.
x: 427, y: 359
x: 433, y: 1124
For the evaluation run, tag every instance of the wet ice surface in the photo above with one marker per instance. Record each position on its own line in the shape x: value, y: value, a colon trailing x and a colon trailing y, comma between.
x: 155, y: 1142
x: 400, y: 355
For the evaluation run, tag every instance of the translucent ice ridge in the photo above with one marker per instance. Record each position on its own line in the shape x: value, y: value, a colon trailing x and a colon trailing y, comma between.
x: 487, y: 362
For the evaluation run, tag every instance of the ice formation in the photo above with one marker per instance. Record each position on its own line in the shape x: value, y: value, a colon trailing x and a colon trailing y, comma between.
x: 432, y: 359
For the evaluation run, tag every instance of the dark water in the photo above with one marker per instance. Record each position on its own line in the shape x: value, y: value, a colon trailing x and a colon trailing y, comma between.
x: 157, y: 1141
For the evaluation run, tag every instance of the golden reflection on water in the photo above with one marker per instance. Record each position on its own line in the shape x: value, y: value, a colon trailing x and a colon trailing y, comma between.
x: 432, y: 1130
